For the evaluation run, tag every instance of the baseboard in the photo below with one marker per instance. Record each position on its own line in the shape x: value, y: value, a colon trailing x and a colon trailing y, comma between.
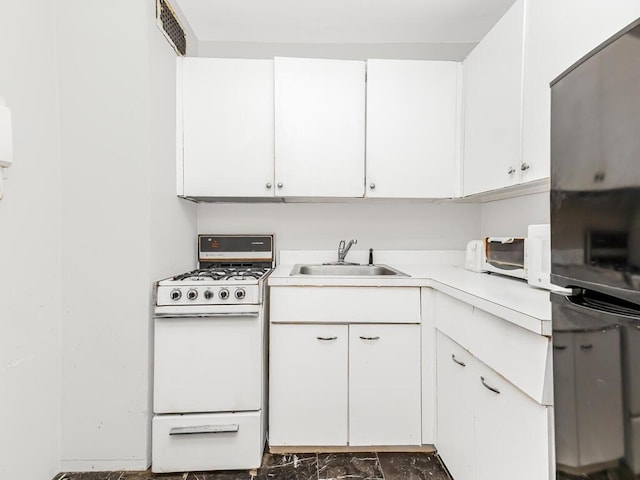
x: 104, y: 465
x: 351, y: 449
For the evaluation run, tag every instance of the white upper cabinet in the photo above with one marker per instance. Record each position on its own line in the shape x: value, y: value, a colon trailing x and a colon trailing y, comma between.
x: 493, y: 75
x: 319, y: 127
x: 227, y: 117
x: 413, y: 123
x: 558, y: 35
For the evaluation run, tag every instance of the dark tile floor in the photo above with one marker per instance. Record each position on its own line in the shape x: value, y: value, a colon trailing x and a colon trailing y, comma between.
x: 306, y: 466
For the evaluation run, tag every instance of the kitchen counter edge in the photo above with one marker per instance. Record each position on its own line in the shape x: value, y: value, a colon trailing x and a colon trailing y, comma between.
x: 508, y: 298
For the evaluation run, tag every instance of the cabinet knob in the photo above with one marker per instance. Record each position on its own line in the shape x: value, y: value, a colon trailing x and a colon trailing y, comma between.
x: 268, y: 185
x: 280, y: 185
x: 372, y: 186
x: 511, y: 171
x: 524, y: 166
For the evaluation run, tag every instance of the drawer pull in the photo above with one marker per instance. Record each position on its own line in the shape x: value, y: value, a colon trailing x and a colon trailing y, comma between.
x: 232, y: 428
x: 586, y: 347
x: 327, y: 338
x: 369, y: 338
x: 459, y: 362
x: 560, y: 347
x: 207, y: 315
x: 489, y: 387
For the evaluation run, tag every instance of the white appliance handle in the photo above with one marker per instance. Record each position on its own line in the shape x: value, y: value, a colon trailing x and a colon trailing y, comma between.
x: 232, y: 428
x: 207, y: 315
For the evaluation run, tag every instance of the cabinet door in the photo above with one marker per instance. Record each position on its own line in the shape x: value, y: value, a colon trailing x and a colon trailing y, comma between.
x: 319, y: 127
x: 455, y: 407
x: 227, y: 115
x: 493, y: 106
x: 308, y: 385
x: 384, y: 385
x: 511, y: 430
x: 412, y: 128
x: 558, y: 35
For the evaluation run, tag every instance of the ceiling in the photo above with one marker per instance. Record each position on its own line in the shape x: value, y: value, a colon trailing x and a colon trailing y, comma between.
x: 342, y: 21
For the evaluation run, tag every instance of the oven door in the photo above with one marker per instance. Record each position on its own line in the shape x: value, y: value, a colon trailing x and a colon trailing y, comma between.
x: 209, y: 360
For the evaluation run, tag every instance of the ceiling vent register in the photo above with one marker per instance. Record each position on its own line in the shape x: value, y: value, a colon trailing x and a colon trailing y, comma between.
x: 167, y: 21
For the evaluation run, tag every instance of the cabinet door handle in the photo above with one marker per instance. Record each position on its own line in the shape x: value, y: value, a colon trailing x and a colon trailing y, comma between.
x: 327, y: 338
x: 459, y: 362
x: 369, y: 338
x: 524, y: 166
x: 586, y: 347
x: 511, y: 171
x: 232, y: 428
x: 489, y: 387
x: 559, y: 347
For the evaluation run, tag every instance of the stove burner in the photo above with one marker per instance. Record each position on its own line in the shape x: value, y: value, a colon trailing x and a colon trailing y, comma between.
x: 224, y: 273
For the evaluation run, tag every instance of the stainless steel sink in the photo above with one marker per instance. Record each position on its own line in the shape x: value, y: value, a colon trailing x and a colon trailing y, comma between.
x: 339, y: 270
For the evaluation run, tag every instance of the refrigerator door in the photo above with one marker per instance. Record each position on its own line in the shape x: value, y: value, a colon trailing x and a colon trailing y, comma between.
x: 596, y: 345
x: 595, y: 179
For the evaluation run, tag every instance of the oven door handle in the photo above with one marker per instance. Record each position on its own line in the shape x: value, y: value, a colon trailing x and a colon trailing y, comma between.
x: 207, y: 315
x: 232, y: 428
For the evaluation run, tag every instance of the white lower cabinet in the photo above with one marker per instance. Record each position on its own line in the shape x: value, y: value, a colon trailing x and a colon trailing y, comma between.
x: 511, y: 430
x: 384, y: 385
x: 487, y: 428
x: 334, y: 385
x: 308, y: 385
x: 345, y: 366
x: 455, y: 407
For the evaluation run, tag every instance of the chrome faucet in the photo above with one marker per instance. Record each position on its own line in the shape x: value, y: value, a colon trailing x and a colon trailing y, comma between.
x: 343, y: 249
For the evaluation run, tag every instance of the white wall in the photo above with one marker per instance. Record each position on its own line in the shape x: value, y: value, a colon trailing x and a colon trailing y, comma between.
x: 344, y: 51
x: 172, y: 234
x: 387, y: 225
x: 30, y: 248
x: 511, y: 217
x: 117, y: 94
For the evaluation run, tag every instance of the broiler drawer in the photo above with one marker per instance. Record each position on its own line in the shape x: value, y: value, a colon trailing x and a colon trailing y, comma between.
x: 210, y: 441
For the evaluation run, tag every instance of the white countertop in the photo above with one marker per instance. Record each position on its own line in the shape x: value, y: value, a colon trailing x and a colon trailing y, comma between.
x: 508, y: 298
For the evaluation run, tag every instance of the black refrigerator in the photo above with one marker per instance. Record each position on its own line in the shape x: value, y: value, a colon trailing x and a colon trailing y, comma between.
x: 595, y: 252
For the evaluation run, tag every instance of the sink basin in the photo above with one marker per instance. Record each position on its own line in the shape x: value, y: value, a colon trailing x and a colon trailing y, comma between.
x: 346, y: 270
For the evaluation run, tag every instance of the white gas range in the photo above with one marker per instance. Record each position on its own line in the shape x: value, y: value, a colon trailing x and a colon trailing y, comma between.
x: 210, y: 358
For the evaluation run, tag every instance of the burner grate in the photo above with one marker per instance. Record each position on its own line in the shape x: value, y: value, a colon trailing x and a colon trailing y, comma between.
x: 226, y: 273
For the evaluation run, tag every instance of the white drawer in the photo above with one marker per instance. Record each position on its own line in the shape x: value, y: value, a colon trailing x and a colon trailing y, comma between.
x: 227, y: 442
x: 345, y: 304
x: 521, y: 356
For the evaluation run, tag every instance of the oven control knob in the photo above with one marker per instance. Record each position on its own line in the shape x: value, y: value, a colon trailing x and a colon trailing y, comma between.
x: 192, y: 294
x: 208, y: 294
x: 175, y: 294
x: 240, y: 293
x: 224, y: 294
